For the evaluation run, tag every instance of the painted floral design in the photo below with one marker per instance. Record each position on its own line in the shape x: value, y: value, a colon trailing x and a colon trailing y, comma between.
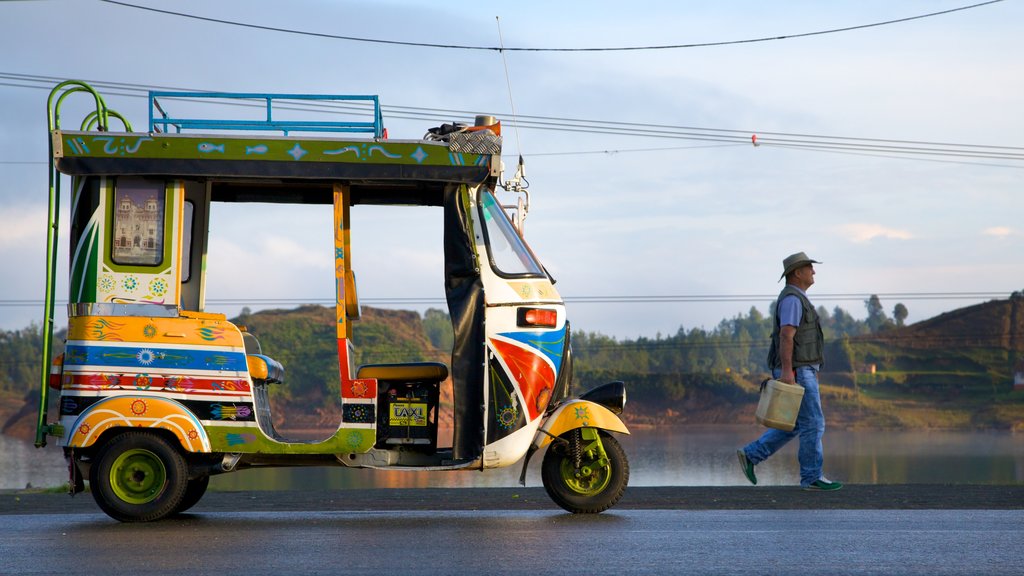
x: 355, y: 440
x: 507, y: 417
x: 158, y: 287
x: 359, y: 389
x: 130, y: 283
x: 582, y: 413
x: 145, y: 356
x: 106, y: 283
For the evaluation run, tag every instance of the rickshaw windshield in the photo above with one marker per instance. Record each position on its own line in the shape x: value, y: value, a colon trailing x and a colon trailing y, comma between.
x: 508, y: 253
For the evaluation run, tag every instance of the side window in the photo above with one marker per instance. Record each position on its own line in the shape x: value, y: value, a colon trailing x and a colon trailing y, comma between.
x: 139, y: 210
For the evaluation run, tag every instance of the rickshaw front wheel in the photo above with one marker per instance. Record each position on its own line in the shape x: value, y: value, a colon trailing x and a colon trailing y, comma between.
x: 138, y: 477
x: 585, y: 476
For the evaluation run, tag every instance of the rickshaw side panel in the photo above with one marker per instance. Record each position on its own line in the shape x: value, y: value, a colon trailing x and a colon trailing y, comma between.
x: 251, y: 440
x: 174, y: 373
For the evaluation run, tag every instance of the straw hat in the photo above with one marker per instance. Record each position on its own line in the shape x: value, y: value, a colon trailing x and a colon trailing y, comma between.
x: 794, y: 261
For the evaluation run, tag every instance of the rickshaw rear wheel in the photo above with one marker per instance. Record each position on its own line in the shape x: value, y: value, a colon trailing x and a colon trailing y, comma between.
x: 599, y: 482
x: 138, y: 477
x: 193, y: 493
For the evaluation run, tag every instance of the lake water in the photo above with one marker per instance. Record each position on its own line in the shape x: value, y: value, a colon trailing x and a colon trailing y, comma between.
x: 658, y: 457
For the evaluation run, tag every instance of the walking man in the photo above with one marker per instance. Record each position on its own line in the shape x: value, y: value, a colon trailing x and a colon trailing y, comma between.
x: 795, y: 357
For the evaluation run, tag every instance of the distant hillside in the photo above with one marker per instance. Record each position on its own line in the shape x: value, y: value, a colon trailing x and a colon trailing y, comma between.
x: 993, y: 324
x: 952, y: 371
x: 977, y: 347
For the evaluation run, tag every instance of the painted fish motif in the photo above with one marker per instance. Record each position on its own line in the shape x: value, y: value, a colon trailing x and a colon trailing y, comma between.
x: 342, y: 151
x: 208, y: 147
x: 258, y: 149
x: 384, y: 152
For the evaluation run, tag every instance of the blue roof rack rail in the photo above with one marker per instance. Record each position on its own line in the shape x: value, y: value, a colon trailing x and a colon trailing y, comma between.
x: 159, y: 121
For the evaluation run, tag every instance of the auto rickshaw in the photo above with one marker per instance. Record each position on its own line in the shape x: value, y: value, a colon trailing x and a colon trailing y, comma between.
x: 157, y: 394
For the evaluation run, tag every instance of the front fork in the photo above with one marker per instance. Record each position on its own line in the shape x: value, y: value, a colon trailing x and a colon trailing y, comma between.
x: 584, y: 419
x: 587, y: 452
x: 584, y: 444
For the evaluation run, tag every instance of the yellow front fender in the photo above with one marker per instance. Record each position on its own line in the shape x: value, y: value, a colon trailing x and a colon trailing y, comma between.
x: 139, y: 412
x: 577, y: 414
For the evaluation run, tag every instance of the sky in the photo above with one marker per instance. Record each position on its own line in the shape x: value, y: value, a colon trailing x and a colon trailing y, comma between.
x: 701, y: 225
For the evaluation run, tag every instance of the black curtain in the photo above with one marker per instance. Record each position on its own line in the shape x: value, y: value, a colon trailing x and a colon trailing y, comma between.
x: 465, y: 293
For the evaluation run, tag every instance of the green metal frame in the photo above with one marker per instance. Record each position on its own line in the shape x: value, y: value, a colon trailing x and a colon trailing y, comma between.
x: 99, y: 118
x: 596, y: 465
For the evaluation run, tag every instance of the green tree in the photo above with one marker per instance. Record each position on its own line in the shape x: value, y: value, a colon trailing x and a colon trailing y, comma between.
x: 900, y: 313
x: 843, y: 324
x: 877, y: 320
x: 437, y: 325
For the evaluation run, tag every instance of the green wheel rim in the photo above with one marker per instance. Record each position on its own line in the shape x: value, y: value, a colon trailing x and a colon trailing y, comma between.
x: 592, y: 480
x: 138, y: 476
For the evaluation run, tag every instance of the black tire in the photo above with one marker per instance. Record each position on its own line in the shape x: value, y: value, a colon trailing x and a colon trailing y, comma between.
x: 193, y: 493
x: 138, y: 477
x: 598, y: 488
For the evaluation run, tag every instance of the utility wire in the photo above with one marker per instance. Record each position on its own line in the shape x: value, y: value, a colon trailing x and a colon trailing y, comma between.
x: 609, y: 126
x: 604, y: 299
x: 890, y: 148
x: 525, y: 49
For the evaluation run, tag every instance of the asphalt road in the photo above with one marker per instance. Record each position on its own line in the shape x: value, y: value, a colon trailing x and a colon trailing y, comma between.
x: 851, y: 497
x: 908, y: 530
x: 530, y: 542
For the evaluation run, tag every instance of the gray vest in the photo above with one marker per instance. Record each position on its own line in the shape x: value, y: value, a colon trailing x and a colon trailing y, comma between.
x: 808, y: 343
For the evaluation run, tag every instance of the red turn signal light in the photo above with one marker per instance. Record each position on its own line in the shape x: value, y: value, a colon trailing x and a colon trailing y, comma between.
x: 56, y: 372
x: 536, y: 318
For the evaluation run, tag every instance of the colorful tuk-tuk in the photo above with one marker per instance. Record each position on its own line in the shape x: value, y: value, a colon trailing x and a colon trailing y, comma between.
x: 157, y: 394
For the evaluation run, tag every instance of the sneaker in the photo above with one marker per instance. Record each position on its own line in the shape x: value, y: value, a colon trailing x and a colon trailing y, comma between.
x: 747, y: 466
x: 823, y: 485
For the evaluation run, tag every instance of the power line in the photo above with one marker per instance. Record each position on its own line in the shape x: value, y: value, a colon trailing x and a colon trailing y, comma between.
x: 603, y: 299
x: 887, y: 148
x: 525, y: 49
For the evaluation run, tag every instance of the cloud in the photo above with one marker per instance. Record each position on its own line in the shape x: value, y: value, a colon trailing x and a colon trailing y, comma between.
x: 22, y: 224
x: 860, y: 232
x: 999, y: 231
x: 286, y: 251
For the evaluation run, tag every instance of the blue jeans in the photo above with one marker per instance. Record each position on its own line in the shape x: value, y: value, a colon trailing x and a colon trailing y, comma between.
x: 810, y: 426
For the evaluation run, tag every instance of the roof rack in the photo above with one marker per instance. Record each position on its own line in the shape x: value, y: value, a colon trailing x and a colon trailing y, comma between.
x: 159, y: 121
